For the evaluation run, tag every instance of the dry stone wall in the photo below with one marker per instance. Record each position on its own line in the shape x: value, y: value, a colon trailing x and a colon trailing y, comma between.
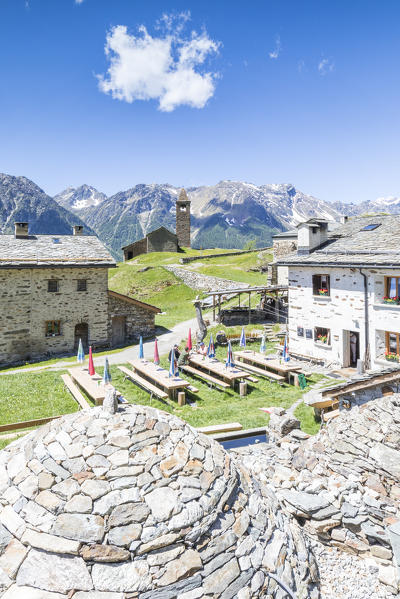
x: 201, y: 282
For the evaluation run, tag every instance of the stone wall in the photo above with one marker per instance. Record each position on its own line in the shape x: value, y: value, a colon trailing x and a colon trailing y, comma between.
x: 201, y: 282
x: 183, y: 223
x: 135, y: 249
x: 162, y: 240
x: 26, y: 305
x: 139, y: 320
x: 342, y: 311
x: 188, y: 259
x: 283, y: 247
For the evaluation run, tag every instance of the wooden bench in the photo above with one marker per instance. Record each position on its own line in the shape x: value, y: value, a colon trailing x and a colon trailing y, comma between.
x: 192, y: 389
x: 75, y: 392
x: 205, y: 376
x: 261, y: 372
x: 220, y: 428
x: 141, y: 382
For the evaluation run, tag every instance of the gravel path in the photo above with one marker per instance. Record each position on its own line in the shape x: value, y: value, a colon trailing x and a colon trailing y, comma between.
x: 345, y: 576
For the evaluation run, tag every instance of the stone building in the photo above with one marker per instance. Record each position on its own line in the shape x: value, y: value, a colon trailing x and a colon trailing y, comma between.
x: 161, y: 239
x: 344, y: 287
x: 54, y: 291
x: 282, y: 244
x: 183, y: 220
x: 139, y: 504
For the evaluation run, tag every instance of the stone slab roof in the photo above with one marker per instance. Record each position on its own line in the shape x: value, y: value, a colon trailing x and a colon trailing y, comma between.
x: 136, y: 302
x: 349, y: 244
x: 62, y: 251
x: 170, y: 233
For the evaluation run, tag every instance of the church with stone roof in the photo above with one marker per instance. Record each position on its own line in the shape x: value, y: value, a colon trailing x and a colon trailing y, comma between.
x: 54, y: 291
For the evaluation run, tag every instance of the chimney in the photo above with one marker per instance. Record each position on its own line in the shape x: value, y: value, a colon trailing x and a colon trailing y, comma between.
x: 78, y: 230
x: 311, y: 235
x: 344, y: 219
x: 21, y: 230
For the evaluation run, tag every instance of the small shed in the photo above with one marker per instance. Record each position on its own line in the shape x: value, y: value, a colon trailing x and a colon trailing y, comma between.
x: 129, y: 318
x: 159, y: 240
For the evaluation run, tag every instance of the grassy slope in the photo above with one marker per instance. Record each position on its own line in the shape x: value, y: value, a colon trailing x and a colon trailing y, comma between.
x: 235, y: 268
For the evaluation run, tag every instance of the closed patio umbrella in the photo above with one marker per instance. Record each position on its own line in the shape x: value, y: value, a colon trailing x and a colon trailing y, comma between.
x: 229, y: 360
x: 242, y: 341
x: 172, y: 363
x: 189, y: 343
x: 263, y: 346
x: 106, y: 373
x: 211, y: 349
x: 141, y: 352
x: 91, y: 365
x: 80, y: 358
x: 285, y: 354
x: 156, y: 355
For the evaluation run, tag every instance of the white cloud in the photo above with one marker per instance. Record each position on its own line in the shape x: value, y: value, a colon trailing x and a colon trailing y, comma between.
x: 78, y: 1
x: 301, y: 66
x: 277, y: 50
x: 325, y: 66
x: 168, y: 68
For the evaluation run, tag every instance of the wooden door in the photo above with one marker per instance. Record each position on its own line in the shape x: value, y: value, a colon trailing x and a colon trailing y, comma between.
x: 118, y: 330
x: 82, y: 332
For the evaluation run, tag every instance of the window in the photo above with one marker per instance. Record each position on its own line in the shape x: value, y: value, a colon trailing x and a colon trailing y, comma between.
x: 183, y: 208
x: 81, y: 285
x: 300, y: 332
x: 53, y: 328
x: 392, y: 344
x: 392, y: 289
x: 52, y: 285
x: 322, y: 335
x: 371, y: 227
x: 321, y: 285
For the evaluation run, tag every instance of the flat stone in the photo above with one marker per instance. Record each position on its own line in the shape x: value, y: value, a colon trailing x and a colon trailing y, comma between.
x: 181, y: 568
x: 220, y: 579
x: 348, y: 510
x: 165, y: 555
x: 66, y: 489
x: 97, y: 595
x: 174, y: 590
x: 389, y: 576
x: 5, y: 537
x: 381, y: 552
x: 12, y: 557
x: 24, y: 592
x: 122, y: 441
x: 162, y: 502
x: 12, y: 521
x: 57, y: 470
x: 58, y: 573
x: 80, y: 527
x: 158, y: 543
x: 176, y: 462
x: 104, y: 553
x: 45, y: 480
x: 386, y: 458
x: 50, y: 501
x: 306, y: 502
x: 107, y: 502
x: 128, y: 513
x: 119, y: 458
x: 190, y: 514
x: 47, y: 542
x: 127, y: 577
x: 82, y: 504
x: 29, y: 487
x: 124, y: 535
x: 56, y: 451
x: 122, y: 471
x: 95, y: 488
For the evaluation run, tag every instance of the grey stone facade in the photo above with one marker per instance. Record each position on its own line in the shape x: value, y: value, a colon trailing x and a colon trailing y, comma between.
x: 138, y: 317
x: 183, y: 220
x: 159, y: 240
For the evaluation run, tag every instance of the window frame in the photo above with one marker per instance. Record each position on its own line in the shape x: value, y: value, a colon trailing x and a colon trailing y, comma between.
x: 319, y: 331
x: 57, y: 283
x: 81, y: 282
x: 387, y: 286
x: 387, y: 342
x: 317, y: 285
x: 55, y: 328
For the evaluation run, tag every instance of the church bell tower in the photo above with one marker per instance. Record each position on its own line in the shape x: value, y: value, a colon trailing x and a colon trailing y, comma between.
x: 183, y: 219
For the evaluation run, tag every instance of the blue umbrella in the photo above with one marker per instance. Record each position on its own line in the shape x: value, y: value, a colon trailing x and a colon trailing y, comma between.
x: 263, y: 347
x: 81, y: 354
x: 172, y: 363
x: 242, y: 341
x: 211, y: 349
x: 285, y: 354
x: 106, y: 373
x: 229, y: 361
x: 141, y: 352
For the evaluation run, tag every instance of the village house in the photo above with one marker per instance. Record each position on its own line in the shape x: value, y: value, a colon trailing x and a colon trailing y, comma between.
x: 344, y: 291
x: 54, y: 291
x: 161, y: 239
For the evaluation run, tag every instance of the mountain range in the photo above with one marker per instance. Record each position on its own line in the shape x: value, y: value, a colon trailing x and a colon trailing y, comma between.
x: 227, y: 215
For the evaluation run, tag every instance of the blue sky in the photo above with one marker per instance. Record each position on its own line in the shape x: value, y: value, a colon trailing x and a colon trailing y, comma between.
x: 302, y: 92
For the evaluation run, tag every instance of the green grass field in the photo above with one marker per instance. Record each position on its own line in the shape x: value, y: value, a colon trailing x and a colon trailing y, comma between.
x: 235, y: 268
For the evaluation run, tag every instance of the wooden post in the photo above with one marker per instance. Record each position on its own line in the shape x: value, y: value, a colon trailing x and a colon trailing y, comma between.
x: 277, y: 307
x: 181, y: 398
x: 214, y: 308
x: 239, y: 300
x: 242, y: 388
x: 249, y: 307
x: 219, y: 308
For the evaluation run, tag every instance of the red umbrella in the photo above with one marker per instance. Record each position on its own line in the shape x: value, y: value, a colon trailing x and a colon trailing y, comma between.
x: 156, y: 356
x: 91, y: 365
x: 189, y: 343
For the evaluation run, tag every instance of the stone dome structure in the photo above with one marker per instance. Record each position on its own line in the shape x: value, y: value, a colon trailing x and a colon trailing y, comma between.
x: 139, y: 504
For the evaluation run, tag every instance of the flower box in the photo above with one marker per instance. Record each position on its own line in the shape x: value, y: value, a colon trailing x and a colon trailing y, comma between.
x: 322, y: 291
x: 322, y: 338
x: 391, y: 300
x: 391, y: 357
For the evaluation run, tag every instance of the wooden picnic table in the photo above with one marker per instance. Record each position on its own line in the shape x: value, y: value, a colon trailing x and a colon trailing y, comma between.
x: 160, y: 376
x: 230, y: 375
x: 259, y: 359
x: 90, y: 384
